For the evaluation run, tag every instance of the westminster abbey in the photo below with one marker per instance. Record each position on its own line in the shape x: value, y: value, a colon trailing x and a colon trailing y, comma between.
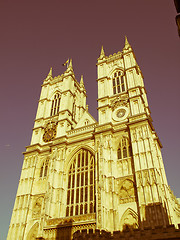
x: 82, y: 178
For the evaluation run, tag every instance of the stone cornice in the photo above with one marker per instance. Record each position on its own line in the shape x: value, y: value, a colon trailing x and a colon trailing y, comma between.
x: 102, y: 78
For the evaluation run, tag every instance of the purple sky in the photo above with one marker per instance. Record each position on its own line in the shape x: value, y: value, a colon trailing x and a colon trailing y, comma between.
x: 35, y: 35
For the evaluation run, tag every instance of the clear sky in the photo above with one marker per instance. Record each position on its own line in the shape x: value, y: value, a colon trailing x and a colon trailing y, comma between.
x: 38, y: 34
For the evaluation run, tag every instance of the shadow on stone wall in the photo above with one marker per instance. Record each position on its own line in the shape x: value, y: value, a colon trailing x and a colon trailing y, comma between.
x: 64, y: 232
x: 155, y: 216
x: 156, y: 225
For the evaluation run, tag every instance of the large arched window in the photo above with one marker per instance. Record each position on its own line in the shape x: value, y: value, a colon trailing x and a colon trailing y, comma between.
x: 118, y: 83
x: 81, y: 184
x: 124, y: 149
x: 55, y: 104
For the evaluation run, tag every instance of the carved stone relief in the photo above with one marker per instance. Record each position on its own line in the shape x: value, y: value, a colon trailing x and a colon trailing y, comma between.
x: 126, y: 192
x: 118, y: 102
x: 37, y: 204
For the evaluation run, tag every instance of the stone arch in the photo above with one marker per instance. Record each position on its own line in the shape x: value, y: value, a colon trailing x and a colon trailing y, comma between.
x: 33, y: 232
x: 69, y: 158
x: 115, y: 69
x: 129, y: 220
x: 55, y: 91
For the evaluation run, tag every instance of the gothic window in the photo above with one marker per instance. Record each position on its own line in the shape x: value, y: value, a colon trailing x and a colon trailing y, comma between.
x: 124, y: 149
x: 81, y: 184
x: 118, y: 83
x: 55, y: 104
x: 44, y: 170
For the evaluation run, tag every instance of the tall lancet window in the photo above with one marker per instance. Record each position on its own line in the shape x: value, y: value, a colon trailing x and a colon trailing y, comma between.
x: 124, y: 149
x: 44, y: 169
x: 118, y: 83
x: 55, y: 104
x: 81, y: 184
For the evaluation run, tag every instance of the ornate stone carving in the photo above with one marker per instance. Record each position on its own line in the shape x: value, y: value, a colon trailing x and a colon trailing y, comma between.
x: 84, y: 226
x: 118, y: 102
x: 126, y: 192
x: 36, y: 210
x: 59, y: 221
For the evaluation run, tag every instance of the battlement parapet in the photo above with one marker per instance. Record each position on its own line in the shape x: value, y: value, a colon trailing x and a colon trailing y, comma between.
x: 157, y: 233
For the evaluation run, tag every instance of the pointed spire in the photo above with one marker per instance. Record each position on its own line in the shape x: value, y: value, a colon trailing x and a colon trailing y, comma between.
x: 50, y: 72
x: 81, y: 82
x: 126, y: 45
x: 70, y: 64
x: 102, y: 54
x: 69, y: 69
x: 49, y: 76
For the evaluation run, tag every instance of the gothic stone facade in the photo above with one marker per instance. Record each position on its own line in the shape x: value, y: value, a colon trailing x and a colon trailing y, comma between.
x: 82, y: 174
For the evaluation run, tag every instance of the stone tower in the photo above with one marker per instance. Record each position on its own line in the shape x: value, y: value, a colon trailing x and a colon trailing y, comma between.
x: 82, y: 174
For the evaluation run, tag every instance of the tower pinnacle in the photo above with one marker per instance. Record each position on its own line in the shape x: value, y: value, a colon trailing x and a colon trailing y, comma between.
x: 126, y: 45
x: 69, y: 68
x: 70, y: 64
x: 81, y: 82
x: 49, y: 74
x: 102, y: 54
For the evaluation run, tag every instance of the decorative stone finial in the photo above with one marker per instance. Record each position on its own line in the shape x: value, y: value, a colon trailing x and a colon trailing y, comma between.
x: 70, y: 64
x: 69, y: 69
x: 49, y: 76
x: 82, y: 82
x: 126, y: 45
x: 102, y: 54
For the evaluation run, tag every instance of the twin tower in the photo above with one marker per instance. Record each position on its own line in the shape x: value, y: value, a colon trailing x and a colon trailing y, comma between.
x: 80, y: 174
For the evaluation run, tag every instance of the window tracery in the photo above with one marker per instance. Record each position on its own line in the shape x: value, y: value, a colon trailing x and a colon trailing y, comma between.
x: 81, y: 184
x: 55, y: 104
x: 118, y: 83
x: 124, y: 149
